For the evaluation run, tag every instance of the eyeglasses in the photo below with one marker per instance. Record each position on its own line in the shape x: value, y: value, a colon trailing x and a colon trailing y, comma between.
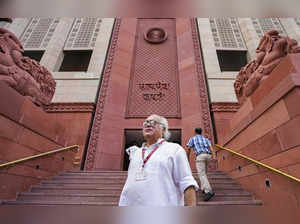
x: 151, y: 123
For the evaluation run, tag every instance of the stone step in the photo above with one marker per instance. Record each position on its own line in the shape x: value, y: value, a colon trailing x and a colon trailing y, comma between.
x: 109, y: 197
x: 99, y: 176
x: 103, y: 188
x: 108, y: 190
x: 116, y: 181
x: 215, y: 203
x: 120, y: 185
x: 68, y: 197
x: 75, y: 190
x: 69, y: 203
x: 229, y: 197
x: 115, y: 197
x: 120, y: 173
x: 45, y: 203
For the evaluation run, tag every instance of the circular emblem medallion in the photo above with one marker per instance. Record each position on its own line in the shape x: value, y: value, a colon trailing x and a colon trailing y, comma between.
x: 155, y: 35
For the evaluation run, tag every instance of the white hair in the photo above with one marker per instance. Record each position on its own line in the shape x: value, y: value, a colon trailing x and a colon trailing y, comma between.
x: 164, y: 123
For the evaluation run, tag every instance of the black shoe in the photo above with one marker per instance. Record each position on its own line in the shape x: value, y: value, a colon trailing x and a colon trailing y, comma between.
x: 203, y: 192
x: 208, y: 196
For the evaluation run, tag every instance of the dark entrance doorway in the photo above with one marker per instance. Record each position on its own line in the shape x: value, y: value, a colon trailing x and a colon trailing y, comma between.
x: 135, y: 137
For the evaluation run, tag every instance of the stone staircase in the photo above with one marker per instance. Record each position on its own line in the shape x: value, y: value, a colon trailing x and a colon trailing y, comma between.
x: 104, y: 188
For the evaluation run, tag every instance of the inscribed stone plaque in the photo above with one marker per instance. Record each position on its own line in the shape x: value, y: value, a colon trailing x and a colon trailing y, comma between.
x: 154, y: 85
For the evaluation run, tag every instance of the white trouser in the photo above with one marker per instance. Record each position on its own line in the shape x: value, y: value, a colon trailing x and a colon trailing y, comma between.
x: 201, y: 161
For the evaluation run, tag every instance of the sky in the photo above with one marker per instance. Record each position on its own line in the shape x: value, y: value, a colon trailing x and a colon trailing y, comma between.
x: 149, y: 8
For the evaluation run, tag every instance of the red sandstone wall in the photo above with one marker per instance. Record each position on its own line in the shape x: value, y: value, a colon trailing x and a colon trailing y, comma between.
x: 223, y: 112
x: 76, y: 126
x: 266, y: 128
x: 26, y: 130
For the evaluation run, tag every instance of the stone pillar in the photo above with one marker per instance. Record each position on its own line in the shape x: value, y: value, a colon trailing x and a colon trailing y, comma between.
x: 291, y: 27
x: 220, y: 84
x: 53, y: 55
x: 79, y: 86
x: 212, y: 66
x: 250, y: 37
x: 18, y: 26
x: 101, y: 46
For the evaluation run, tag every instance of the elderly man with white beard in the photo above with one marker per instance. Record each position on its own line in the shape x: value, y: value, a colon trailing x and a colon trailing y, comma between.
x: 159, y: 173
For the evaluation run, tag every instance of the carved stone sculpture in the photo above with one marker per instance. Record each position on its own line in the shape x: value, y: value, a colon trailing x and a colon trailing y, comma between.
x: 270, y: 51
x: 24, y: 74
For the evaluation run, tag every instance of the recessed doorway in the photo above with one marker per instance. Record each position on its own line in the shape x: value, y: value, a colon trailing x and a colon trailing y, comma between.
x: 135, y: 137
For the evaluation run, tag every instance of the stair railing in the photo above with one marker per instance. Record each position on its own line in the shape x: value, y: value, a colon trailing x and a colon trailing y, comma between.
x: 259, y: 163
x: 76, y: 147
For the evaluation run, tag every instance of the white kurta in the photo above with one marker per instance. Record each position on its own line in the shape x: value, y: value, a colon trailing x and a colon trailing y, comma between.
x: 168, y: 175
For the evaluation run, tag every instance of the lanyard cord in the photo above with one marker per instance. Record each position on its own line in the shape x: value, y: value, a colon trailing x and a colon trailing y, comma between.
x: 151, y: 153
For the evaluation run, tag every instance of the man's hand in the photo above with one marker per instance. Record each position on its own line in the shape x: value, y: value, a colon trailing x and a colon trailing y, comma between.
x: 188, y: 152
x: 214, y: 156
x: 190, y: 196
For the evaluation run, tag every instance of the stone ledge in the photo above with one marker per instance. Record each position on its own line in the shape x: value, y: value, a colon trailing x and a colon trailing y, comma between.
x: 225, y: 106
x: 69, y: 107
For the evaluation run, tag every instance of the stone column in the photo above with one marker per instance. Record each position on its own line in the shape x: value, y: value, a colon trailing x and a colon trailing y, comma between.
x: 220, y: 84
x: 53, y: 55
x: 18, y: 26
x: 291, y: 27
x: 250, y: 36
x: 211, y: 62
x: 99, y: 53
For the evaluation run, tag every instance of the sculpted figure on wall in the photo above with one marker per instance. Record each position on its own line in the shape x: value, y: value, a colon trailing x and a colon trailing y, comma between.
x: 270, y: 51
x: 24, y: 74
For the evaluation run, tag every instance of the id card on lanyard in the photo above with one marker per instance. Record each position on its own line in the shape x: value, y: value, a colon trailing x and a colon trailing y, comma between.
x: 141, y: 173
